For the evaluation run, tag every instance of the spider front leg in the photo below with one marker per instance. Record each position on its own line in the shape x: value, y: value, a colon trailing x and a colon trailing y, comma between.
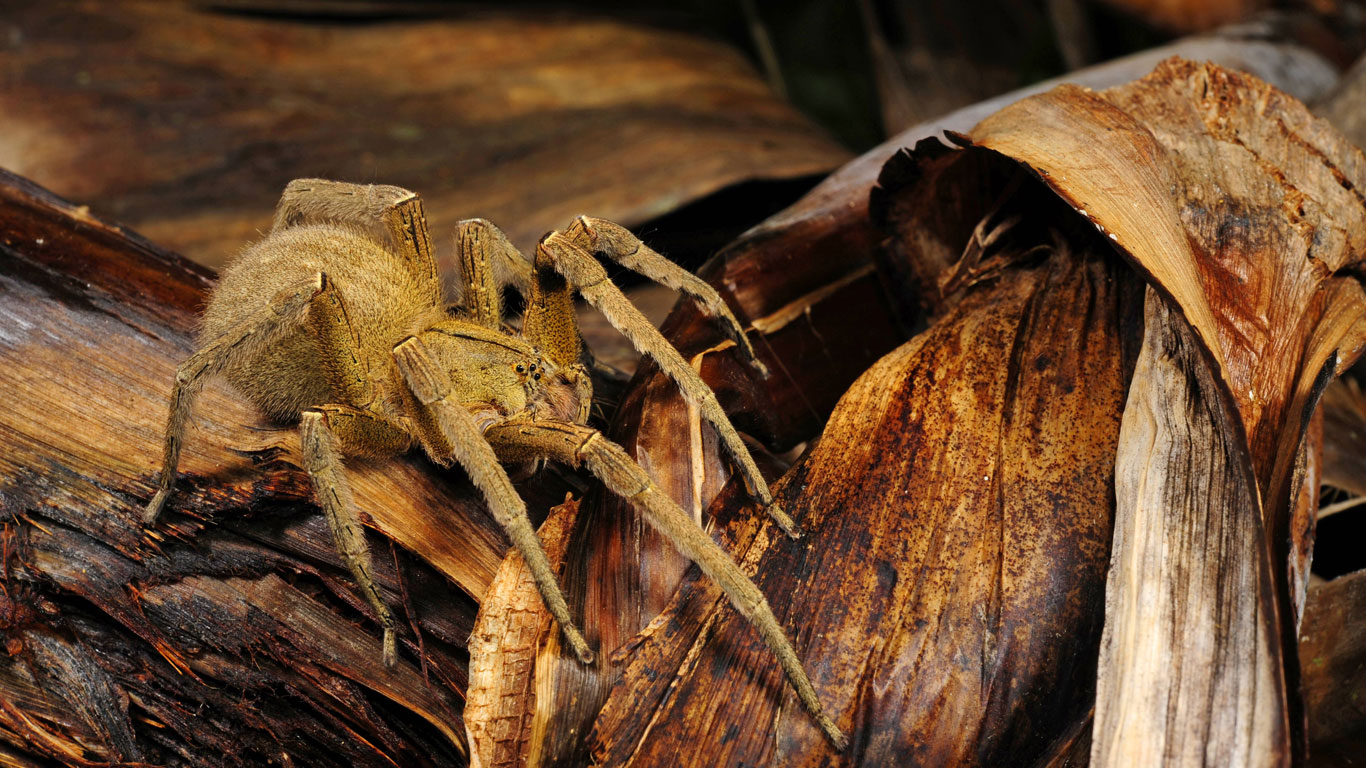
x: 524, y: 438
x: 385, y: 211
x: 449, y: 432
x: 570, y: 256
x: 486, y: 259
x: 549, y: 321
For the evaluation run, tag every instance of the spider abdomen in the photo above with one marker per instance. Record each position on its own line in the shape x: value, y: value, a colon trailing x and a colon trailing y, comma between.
x: 383, y: 299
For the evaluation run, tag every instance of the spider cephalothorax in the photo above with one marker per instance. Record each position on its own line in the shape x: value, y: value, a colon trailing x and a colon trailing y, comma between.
x: 336, y: 320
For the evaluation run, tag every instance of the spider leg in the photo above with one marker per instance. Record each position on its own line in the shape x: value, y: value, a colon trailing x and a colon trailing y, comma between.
x: 552, y: 326
x: 323, y: 431
x: 615, y: 242
x: 571, y: 255
x: 284, y: 311
x: 574, y: 444
x: 388, y: 213
x: 548, y: 323
x: 448, y: 431
x: 487, y: 259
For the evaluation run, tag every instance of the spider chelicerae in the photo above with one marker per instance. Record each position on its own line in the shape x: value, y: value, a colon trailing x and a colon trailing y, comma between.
x: 336, y: 320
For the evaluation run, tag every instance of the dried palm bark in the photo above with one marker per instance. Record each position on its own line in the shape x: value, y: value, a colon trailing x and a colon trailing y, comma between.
x: 231, y: 634
x: 950, y: 596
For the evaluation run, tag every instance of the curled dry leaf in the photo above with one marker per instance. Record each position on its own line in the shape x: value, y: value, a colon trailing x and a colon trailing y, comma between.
x: 805, y: 278
x: 949, y: 597
x: 512, y: 630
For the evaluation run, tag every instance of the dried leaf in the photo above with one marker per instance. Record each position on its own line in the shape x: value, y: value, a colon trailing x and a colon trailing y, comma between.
x: 1191, y: 662
x: 1344, y: 460
x: 1333, y: 648
x: 1266, y: 197
x: 806, y: 275
x: 187, y: 123
x: 512, y: 629
x: 958, y: 512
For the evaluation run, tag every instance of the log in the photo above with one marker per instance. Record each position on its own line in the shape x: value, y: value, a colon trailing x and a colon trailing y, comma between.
x: 231, y: 633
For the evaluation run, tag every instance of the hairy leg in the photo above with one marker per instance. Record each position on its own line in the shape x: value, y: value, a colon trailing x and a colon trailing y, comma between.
x: 386, y: 212
x: 449, y: 432
x: 549, y: 323
x: 338, y: 349
x: 574, y: 444
x: 285, y: 311
x: 615, y: 242
x: 571, y: 255
x: 323, y: 433
x: 487, y: 260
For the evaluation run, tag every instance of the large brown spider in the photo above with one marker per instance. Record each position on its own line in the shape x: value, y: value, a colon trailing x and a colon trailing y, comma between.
x: 336, y: 319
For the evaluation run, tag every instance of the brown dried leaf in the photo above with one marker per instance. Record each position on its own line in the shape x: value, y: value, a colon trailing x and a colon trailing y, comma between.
x: 1333, y: 649
x: 806, y: 274
x: 957, y: 509
x: 513, y: 627
x: 1344, y: 445
x: 187, y: 123
x: 1268, y: 200
x: 670, y: 701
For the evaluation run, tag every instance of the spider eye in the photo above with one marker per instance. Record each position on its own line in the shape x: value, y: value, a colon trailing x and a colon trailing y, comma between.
x: 533, y: 366
x: 537, y: 377
x: 521, y: 368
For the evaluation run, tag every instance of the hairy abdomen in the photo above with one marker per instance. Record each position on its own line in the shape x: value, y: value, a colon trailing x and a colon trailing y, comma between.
x: 384, y: 302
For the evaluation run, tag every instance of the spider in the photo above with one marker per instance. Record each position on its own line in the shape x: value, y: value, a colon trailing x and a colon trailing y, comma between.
x: 336, y: 320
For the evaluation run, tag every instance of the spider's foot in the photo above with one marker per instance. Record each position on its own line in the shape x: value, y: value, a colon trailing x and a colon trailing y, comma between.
x: 781, y: 518
x: 579, y: 645
x: 390, y: 653
x: 758, y: 365
x: 832, y: 732
x: 153, y: 509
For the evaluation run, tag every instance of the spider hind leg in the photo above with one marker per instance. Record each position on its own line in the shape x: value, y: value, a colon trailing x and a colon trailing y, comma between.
x: 574, y: 444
